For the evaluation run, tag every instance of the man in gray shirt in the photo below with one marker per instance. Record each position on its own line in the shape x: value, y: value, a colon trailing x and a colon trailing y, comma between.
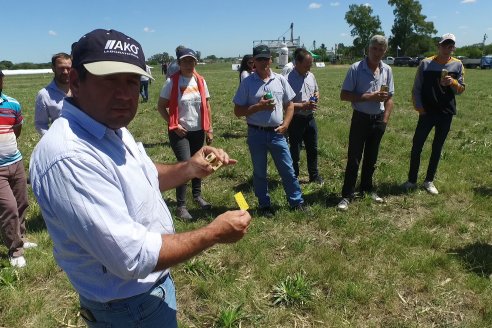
x: 49, y: 100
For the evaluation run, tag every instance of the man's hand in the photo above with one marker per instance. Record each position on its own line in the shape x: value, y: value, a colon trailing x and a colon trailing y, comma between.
x: 209, y: 138
x: 309, y: 105
x: 266, y: 104
x: 230, y: 226
x: 378, y: 96
x: 199, y: 167
x: 446, y: 81
x: 281, y: 129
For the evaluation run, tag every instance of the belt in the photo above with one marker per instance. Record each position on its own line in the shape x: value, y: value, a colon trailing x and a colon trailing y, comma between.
x: 263, y: 128
x: 369, y: 116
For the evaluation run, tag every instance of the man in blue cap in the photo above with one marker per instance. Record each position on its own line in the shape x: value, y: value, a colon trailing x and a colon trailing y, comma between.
x: 100, y: 194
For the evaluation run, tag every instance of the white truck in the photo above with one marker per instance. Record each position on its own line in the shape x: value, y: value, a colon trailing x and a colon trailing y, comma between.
x: 389, y: 60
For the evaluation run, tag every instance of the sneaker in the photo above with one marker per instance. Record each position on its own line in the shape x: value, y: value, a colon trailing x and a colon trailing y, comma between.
x: 376, y: 198
x: 28, y: 244
x: 319, y: 180
x: 267, y: 211
x: 203, y: 203
x: 407, y: 186
x: 431, y: 189
x: 18, y: 262
x: 343, y: 205
x: 183, y: 214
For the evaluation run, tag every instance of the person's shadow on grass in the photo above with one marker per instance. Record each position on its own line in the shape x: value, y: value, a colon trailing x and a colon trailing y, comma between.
x: 476, y: 258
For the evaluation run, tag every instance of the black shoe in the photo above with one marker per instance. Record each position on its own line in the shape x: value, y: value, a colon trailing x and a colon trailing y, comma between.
x: 299, y: 208
x: 319, y: 180
x: 183, y: 214
x: 268, y: 211
x: 203, y: 203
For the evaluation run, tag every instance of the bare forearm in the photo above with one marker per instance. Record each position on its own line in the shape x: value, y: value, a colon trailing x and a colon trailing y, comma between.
x: 180, y: 247
x: 162, y: 108
x: 388, y: 108
x: 241, y: 111
x: 289, y: 112
x: 352, y: 96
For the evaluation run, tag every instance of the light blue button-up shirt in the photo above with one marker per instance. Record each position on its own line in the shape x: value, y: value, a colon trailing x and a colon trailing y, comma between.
x: 360, y: 79
x: 99, y: 196
x: 49, y: 103
x: 253, y: 88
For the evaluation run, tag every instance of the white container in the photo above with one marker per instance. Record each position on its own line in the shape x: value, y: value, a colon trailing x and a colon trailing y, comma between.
x: 283, y: 56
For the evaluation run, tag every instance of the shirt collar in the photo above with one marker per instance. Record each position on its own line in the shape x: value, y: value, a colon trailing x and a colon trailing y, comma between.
x: 72, y: 112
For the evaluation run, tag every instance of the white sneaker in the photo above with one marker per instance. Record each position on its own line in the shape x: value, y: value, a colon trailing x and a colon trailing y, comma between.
x: 28, y: 244
x: 18, y: 262
x: 431, y: 189
x: 407, y: 186
x: 343, y: 205
x: 376, y: 198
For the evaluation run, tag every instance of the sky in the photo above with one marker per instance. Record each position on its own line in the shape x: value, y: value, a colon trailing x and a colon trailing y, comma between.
x: 33, y: 30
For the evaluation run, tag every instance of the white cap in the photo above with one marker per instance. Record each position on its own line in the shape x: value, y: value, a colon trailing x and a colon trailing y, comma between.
x: 447, y: 36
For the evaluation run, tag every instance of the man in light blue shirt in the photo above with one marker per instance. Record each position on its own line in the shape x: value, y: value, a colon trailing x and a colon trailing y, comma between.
x: 100, y: 194
x: 262, y: 98
x: 49, y: 100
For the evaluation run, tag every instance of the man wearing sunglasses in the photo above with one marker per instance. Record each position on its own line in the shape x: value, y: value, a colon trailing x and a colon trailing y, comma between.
x: 439, y: 78
x: 265, y: 99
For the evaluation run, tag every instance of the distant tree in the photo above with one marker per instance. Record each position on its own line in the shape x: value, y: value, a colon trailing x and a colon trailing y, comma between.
x: 6, y: 64
x: 410, y: 28
x: 159, y: 58
x: 364, y: 25
x: 198, y: 55
x: 211, y: 57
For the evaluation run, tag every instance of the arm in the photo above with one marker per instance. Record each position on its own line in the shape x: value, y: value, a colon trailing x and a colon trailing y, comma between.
x: 162, y: 108
x: 41, y: 118
x: 417, y: 90
x: 357, y: 97
x: 171, y: 176
x: 17, y: 130
x: 228, y: 227
x: 210, y: 133
x: 263, y: 104
x: 388, y: 108
x: 289, y: 112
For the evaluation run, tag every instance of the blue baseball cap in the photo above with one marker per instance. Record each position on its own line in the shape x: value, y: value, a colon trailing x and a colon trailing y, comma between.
x: 106, y: 52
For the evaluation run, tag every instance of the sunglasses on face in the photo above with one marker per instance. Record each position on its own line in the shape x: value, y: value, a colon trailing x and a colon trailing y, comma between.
x: 262, y: 59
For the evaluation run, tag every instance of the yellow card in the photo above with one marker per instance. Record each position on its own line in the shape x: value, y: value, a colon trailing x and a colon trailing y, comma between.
x: 241, y: 202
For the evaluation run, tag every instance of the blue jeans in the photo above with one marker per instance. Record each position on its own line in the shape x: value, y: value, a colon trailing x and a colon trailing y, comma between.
x: 304, y: 128
x: 260, y: 143
x: 144, y: 90
x: 153, y: 309
x: 442, y: 124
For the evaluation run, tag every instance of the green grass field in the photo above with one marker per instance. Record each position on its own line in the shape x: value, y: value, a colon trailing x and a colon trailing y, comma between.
x: 415, y: 261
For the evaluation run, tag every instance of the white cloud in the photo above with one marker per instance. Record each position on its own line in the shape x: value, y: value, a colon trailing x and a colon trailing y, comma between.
x: 52, y: 33
x: 344, y: 35
x: 468, y: 1
x: 334, y: 4
x: 367, y: 4
x: 148, y: 30
x: 314, y: 5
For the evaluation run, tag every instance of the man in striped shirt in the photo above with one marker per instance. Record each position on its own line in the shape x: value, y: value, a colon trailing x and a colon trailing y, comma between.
x: 13, y: 186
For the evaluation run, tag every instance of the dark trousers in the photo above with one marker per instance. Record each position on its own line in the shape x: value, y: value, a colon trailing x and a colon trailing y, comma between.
x: 365, y: 136
x: 13, y: 205
x: 303, y: 128
x: 184, y: 148
x: 442, y: 124
x: 144, y: 90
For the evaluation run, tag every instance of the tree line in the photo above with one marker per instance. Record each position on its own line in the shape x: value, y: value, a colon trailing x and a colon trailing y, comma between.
x: 412, y: 35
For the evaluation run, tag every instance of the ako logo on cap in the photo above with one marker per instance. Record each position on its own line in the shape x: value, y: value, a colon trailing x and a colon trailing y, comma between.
x: 105, y: 52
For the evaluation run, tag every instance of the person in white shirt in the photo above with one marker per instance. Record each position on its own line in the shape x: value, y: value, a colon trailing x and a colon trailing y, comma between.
x: 49, y: 100
x: 100, y: 193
